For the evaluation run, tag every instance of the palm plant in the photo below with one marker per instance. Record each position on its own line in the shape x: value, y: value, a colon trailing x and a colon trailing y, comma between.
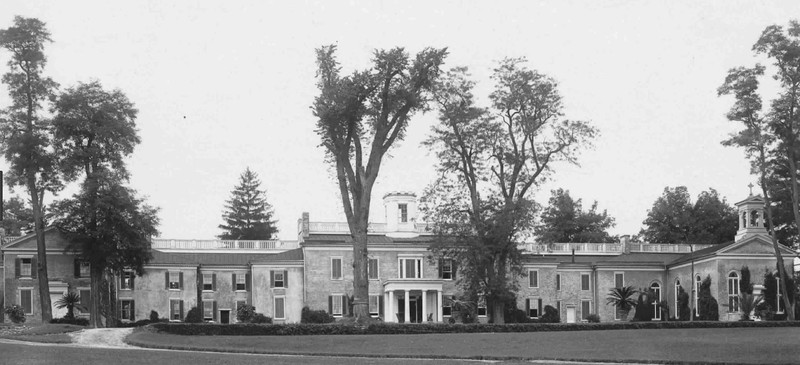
x: 748, y: 303
x: 622, y: 299
x: 70, y: 300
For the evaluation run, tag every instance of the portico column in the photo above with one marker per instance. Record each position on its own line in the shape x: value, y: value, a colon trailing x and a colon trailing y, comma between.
x: 407, y: 309
x: 390, y: 313
x: 424, y: 306
x: 439, y: 304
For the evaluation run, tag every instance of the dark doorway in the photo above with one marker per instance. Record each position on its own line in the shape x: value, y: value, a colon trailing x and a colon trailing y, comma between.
x: 401, y: 310
x: 415, y: 305
x: 225, y: 316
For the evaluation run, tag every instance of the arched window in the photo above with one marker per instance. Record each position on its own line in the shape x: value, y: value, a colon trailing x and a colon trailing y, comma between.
x: 677, y: 305
x: 697, y: 282
x: 656, y: 299
x: 733, y: 292
x: 754, y: 218
x: 744, y: 220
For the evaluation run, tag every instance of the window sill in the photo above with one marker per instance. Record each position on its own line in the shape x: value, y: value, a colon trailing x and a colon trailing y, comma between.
x: 208, y: 291
x: 128, y: 289
x: 175, y: 289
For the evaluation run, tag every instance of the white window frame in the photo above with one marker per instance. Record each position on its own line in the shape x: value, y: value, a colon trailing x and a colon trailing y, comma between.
x: 402, y: 213
x: 482, y: 305
x: 282, y: 279
x: 677, y: 307
x: 533, y: 304
x: 697, y: 281
x: 19, y: 296
x: 337, y: 301
x: 588, y: 282
x: 210, y: 282
x: 447, y: 302
x: 282, y: 306
x: 656, y: 287
x: 241, y: 279
x: 126, y: 274
x: 533, y: 273
x: 208, y: 305
x: 23, y: 265
x: 447, y: 269
x: 341, y: 268
x: 418, y: 267
x: 620, y: 273
x: 124, y: 312
x: 177, y: 281
x: 172, y: 310
x: 376, y: 310
x: 733, y: 292
x: 377, y: 272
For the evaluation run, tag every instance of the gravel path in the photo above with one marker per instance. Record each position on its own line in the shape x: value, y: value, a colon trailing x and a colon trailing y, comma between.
x: 102, y: 337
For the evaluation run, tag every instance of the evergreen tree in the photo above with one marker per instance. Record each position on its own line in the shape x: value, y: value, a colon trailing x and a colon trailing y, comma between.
x: 564, y: 220
x: 675, y: 219
x: 247, y: 214
x: 17, y: 217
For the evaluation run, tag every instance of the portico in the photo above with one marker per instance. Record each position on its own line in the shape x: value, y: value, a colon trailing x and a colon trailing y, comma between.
x: 412, y: 300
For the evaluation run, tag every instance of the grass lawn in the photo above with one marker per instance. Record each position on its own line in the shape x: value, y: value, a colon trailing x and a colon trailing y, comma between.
x: 49, y: 333
x: 704, y: 345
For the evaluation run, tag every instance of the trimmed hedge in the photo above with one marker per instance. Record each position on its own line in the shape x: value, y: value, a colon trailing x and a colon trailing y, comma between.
x: 249, y: 329
x: 76, y: 321
x: 140, y: 323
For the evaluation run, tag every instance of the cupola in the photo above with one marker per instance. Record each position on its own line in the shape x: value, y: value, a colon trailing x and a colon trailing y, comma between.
x: 751, y: 216
x: 401, y: 211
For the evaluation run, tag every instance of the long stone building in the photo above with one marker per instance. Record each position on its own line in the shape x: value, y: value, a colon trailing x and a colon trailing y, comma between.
x: 405, y: 283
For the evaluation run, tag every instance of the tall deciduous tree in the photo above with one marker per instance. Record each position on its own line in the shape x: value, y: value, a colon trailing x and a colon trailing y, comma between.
x: 490, y: 159
x: 675, y: 219
x: 772, y: 133
x: 247, y: 214
x: 360, y: 117
x: 24, y: 131
x: 17, y: 217
x: 564, y: 220
x: 107, y: 226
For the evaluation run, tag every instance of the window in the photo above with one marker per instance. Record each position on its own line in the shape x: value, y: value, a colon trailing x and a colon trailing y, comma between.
x: 174, y: 280
x: 533, y: 307
x: 447, y: 305
x: 126, y: 282
x: 558, y: 281
x: 336, y: 305
x: 25, y: 266
x: 127, y: 312
x: 697, y: 281
x: 372, y: 269
x: 410, y: 268
x: 208, y: 310
x: 533, y: 278
x: 447, y: 269
x: 586, y: 308
x: 176, y: 310
x: 208, y: 282
x: 279, y: 307
x: 279, y: 279
x: 733, y: 292
x: 558, y: 307
x: 336, y: 268
x: 778, y: 296
x: 83, y: 270
x: 374, y: 305
x: 240, y: 281
x: 584, y: 281
x: 26, y: 300
x: 657, y: 299
x: 403, y: 212
x: 85, y: 300
x: 482, y: 307
x: 619, y: 280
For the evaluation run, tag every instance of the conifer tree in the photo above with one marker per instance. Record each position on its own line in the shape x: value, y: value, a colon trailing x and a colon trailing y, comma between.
x: 247, y: 214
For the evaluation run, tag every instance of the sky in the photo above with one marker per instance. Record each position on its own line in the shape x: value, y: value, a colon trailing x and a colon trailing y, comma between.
x: 222, y: 86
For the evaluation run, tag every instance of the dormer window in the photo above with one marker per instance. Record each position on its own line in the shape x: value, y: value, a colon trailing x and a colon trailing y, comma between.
x: 403, y: 213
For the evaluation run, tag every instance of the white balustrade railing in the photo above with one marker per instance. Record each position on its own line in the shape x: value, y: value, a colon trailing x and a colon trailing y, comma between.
x: 583, y: 248
x: 342, y: 227
x: 161, y: 243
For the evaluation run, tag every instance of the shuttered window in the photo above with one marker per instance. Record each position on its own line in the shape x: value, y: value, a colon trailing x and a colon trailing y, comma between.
x: 26, y: 300
x: 336, y: 268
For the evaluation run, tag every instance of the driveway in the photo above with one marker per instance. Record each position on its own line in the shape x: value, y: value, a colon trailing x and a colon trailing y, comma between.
x: 102, y: 337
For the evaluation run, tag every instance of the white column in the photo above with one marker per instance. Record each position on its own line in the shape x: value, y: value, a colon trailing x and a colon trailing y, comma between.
x: 439, y: 305
x: 407, y: 310
x: 424, y: 306
x: 390, y: 312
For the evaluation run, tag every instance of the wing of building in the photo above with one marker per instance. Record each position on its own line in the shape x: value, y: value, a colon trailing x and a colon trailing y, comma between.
x: 406, y: 284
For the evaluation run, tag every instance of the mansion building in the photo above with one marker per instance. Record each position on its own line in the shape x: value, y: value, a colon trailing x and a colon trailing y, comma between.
x: 406, y: 284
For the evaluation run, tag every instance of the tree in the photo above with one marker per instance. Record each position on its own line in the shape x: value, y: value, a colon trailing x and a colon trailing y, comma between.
x: 773, y: 134
x: 360, y: 117
x: 24, y: 136
x: 248, y: 216
x: 674, y: 219
x: 17, y: 217
x: 622, y: 300
x: 564, y: 220
x: 106, y: 225
x: 489, y: 160
x: 707, y: 307
x: 70, y: 300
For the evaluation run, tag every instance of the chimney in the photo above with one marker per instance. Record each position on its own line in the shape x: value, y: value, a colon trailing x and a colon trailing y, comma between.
x: 302, y: 227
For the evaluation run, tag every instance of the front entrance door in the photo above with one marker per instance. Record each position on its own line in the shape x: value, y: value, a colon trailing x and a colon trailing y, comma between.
x: 225, y: 316
x: 571, y: 314
x: 415, y: 306
x: 401, y: 310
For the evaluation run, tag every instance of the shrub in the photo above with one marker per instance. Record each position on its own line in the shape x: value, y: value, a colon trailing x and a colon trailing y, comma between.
x: 70, y: 300
x: 593, y: 318
x: 683, y: 305
x: 551, y: 315
x: 245, y: 313
x: 645, y: 311
x: 621, y: 299
x: 153, y: 316
x: 73, y: 320
x: 315, y: 316
x: 194, y: 316
x: 260, y: 318
x: 707, y: 307
x: 15, y: 313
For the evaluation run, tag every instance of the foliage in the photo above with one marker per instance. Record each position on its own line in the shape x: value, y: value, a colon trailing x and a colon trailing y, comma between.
x: 564, y: 220
x: 73, y: 320
x: 644, y: 305
x: 315, y: 316
x: 674, y: 219
x: 593, y: 318
x: 153, y: 316
x: 71, y: 301
x: 489, y: 161
x: 707, y: 307
x: 194, y: 316
x: 245, y: 313
x: 248, y: 215
x: 550, y: 315
x: 25, y: 134
x: 17, y: 217
x: 141, y: 322
x: 622, y: 298
x: 748, y: 304
x: 15, y: 313
x: 770, y: 293
x: 261, y: 318
x: 683, y: 305
x: 745, y: 285
x: 359, y: 118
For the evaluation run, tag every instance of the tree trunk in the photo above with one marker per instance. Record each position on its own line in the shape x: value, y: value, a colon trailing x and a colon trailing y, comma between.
x: 498, y: 312
x: 95, y: 296
x: 41, y: 249
x: 781, y: 270
x: 360, y: 281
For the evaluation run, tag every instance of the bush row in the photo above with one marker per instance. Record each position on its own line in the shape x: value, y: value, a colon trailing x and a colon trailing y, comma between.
x: 249, y: 329
x: 66, y: 320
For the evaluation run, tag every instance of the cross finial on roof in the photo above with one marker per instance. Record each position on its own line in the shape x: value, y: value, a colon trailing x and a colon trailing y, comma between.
x: 750, y: 185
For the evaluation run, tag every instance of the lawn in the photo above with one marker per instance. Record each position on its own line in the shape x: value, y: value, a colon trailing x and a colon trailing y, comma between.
x: 704, y: 345
x: 49, y: 333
